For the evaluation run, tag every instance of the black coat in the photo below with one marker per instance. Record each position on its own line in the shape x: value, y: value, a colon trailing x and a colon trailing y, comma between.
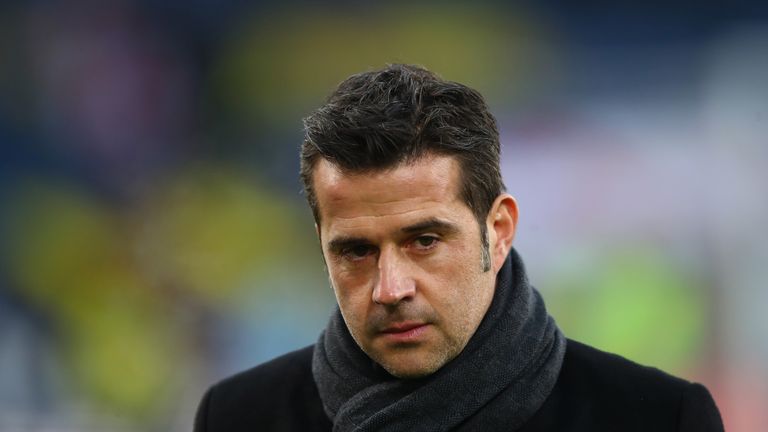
x: 595, y: 391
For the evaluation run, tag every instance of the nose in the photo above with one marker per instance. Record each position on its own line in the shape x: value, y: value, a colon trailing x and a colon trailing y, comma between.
x: 394, y: 283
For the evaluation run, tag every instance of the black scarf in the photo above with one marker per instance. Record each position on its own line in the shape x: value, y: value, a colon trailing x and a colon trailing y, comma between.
x: 498, y: 381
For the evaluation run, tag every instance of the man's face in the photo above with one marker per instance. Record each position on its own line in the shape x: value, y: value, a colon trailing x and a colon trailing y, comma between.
x: 404, y: 257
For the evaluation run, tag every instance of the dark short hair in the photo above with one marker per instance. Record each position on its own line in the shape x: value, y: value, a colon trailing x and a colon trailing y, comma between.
x: 380, y: 119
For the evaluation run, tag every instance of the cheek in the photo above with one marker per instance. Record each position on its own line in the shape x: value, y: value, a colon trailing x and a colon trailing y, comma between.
x: 464, y: 289
x: 461, y: 264
x: 353, y: 297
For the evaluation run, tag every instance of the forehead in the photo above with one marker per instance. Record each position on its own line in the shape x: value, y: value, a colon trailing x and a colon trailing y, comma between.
x: 426, y: 184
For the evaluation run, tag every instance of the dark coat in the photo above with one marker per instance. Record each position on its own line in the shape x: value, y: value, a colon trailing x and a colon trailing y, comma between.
x: 595, y: 391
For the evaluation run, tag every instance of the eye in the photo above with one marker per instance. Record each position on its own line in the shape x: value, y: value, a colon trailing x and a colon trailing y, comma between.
x: 425, y: 242
x: 357, y: 252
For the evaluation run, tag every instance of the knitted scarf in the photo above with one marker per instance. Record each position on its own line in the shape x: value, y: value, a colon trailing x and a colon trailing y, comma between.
x: 498, y: 381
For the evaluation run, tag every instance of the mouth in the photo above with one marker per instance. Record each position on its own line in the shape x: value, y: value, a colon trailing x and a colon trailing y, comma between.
x: 405, y: 331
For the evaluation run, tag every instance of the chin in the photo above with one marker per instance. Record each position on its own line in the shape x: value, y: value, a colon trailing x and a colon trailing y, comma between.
x: 411, y: 368
x: 409, y: 373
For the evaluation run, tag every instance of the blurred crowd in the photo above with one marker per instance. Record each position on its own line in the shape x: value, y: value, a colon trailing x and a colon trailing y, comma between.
x: 154, y: 238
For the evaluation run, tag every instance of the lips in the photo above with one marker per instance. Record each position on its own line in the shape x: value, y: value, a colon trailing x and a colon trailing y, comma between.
x: 402, y: 327
x: 408, y: 331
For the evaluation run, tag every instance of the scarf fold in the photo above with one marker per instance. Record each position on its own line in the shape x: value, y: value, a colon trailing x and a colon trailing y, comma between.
x: 498, y: 381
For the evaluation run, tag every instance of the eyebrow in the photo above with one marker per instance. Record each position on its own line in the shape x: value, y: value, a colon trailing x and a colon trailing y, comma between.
x: 432, y: 224
x: 339, y: 244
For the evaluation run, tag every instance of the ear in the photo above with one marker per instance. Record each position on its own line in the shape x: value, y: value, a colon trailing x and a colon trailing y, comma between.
x: 501, y: 223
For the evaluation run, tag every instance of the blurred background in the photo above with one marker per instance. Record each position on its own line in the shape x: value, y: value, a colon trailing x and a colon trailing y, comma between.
x: 153, y: 237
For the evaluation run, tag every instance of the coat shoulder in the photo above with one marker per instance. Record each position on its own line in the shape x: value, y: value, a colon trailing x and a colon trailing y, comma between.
x: 597, y: 390
x: 277, y: 395
x: 617, y: 375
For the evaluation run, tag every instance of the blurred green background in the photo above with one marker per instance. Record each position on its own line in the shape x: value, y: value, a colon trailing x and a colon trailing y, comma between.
x: 155, y: 240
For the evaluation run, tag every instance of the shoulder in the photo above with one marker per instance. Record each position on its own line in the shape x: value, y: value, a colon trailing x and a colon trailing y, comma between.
x: 614, y: 374
x: 276, y: 395
x: 603, y: 391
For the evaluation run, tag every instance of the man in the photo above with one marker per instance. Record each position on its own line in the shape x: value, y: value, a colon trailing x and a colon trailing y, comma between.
x: 437, y: 326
